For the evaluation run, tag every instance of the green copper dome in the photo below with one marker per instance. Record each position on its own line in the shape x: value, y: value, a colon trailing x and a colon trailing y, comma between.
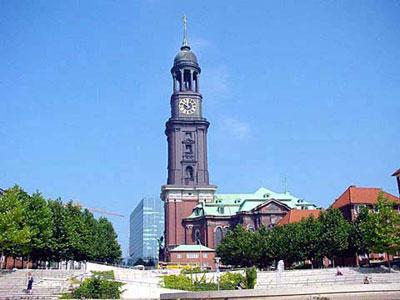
x: 185, y: 56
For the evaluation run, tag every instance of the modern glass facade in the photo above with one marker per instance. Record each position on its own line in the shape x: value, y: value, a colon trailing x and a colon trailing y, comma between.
x: 146, y: 226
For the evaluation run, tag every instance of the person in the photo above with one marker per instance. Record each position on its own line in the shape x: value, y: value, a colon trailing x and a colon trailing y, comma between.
x: 338, y: 272
x: 30, y: 283
x: 366, y: 280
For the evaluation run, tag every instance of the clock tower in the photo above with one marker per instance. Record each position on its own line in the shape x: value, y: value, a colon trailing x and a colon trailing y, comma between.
x: 186, y: 131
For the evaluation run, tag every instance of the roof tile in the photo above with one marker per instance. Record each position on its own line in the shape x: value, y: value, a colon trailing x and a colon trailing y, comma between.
x: 361, y: 195
x: 296, y: 215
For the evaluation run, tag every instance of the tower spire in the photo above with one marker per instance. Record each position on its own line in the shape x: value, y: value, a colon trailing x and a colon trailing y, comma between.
x: 285, y: 185
x: 185, y: 44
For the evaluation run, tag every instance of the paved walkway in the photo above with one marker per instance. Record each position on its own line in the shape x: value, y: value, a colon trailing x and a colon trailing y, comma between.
x: 351, y: 291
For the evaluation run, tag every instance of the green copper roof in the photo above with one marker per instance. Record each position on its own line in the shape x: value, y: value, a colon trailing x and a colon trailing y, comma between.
x: 193, y: 248
x: 230, y: 204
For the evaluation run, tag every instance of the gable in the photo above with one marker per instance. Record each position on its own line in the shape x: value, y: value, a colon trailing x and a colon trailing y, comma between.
x: 271, y: 206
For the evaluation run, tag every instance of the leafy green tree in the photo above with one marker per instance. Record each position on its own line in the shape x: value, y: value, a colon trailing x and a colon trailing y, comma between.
x: 292, y: 238
x: 59, y: 246
x: 44, y: 230
x: 39, y: 219
x: 334, y: 233
x: 382, y: 228
x: 15, y: 233
x: 107, y: 244
x: 77, y: 233
x: 357, y: 235
x: 264, y: 253
x: 237, y: 248
x: 309, y: 231
x: 89, y: 235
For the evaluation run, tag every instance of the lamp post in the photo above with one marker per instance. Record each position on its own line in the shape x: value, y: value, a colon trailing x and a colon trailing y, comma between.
x: 199, y: 243
x: 217, y: 260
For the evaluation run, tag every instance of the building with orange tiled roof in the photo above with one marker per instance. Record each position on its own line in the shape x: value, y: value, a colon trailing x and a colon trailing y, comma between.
x: 294, y: 216
x: 354, y: 198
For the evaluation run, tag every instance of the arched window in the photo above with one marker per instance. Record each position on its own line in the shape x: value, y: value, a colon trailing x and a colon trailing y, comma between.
x: 225, y: 231
x: 218, y: 236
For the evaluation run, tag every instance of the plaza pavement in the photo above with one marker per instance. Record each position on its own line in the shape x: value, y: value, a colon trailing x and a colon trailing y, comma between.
x: 145, y: 284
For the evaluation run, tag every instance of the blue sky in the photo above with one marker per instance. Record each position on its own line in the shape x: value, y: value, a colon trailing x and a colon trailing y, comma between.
x: 307, y: 90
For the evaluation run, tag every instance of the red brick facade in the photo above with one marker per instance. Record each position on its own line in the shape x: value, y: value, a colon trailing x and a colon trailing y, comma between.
x: 198, y: 258
x: 11, y: 262
x: 211, y: 229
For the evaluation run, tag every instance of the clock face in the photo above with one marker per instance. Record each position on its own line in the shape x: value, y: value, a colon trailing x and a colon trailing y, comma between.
x: 187, y: 106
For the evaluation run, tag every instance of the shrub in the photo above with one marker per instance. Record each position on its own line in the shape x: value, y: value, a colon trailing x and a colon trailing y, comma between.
x: 98, y: 288
x: 104, y: 274
x: 182, y: 282
x: 229, y: 281
x: 202, y: 284
x: 178, y: 282
x: 192, y: 270
x: 251, y: 278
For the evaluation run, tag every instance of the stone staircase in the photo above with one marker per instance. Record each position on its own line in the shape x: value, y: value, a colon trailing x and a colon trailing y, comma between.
x: 48, y: 284
x: 321, y: 277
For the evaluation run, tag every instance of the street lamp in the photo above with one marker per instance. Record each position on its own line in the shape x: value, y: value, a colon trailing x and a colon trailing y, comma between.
x: 217, y: 260
x: 199, y: 243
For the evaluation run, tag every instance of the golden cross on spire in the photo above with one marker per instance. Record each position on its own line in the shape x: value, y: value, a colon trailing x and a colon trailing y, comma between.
x: 185, y: 42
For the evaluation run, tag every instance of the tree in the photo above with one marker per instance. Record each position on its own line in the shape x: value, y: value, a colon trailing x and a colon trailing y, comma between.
x: 59, y: 246
x: 264, y: 254
x: 357, y: 235
x: 310, y: 232
x: 237, y: 248
x: 107, y: 244
x: 39, y: 219
x: 382, y: 228
x: 14, y: 231
x: 89, y: 235
x: 44, y: 230
x: 334, y: 233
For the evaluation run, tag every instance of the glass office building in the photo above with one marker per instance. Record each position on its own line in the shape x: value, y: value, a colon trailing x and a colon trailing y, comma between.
x: 146, y: 226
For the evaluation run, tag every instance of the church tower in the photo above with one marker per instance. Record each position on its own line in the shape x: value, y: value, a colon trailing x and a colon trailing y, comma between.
x: 186, y: 131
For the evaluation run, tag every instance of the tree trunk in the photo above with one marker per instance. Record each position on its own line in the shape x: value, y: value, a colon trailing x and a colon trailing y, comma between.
x: 369, y: 261
x: 388, y: 257
x: 3, y: 258
x: 357, y: 261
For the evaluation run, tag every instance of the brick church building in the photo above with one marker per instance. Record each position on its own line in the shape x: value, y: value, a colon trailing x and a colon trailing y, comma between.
x: 196, y: 218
